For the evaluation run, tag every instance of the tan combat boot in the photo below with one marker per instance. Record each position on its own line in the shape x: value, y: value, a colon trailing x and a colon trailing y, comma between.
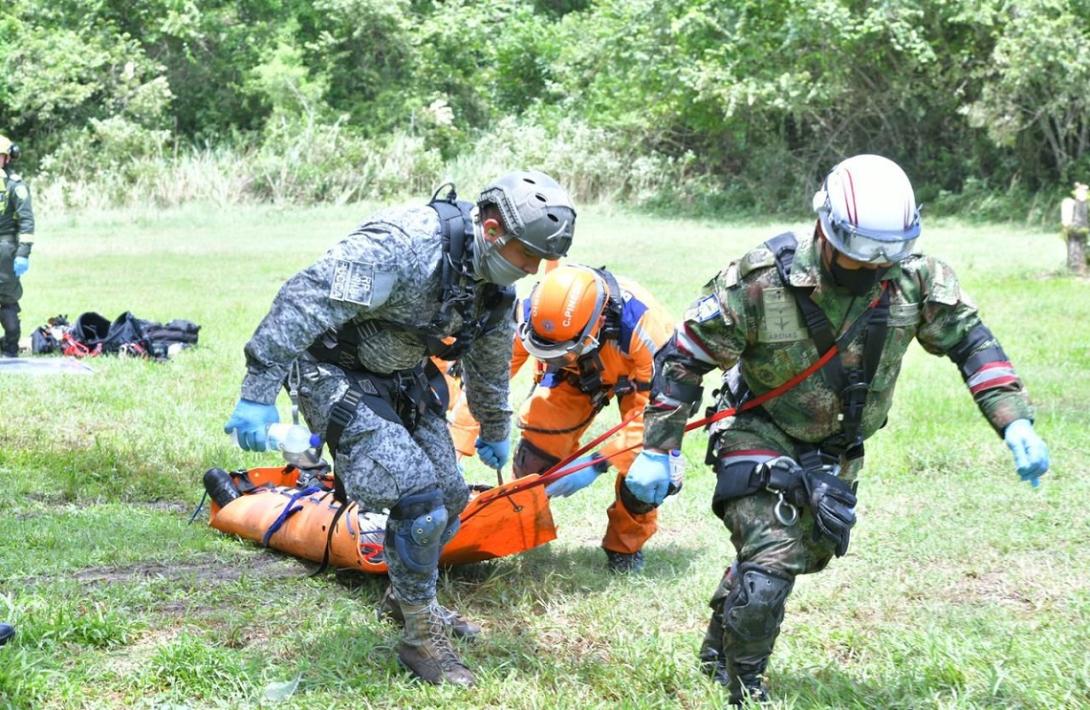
x: 458, y: 625
x: 426, y: 649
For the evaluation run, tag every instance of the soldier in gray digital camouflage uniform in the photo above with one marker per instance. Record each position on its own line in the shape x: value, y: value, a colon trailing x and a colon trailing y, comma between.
x: 359, y: 323
x: 787, y: 468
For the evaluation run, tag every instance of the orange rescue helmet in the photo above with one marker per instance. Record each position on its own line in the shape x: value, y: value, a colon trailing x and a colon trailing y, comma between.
x: 567, y: 309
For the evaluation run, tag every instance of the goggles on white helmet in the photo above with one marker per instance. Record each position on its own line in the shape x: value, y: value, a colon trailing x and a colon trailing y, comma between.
x: 868, y: 211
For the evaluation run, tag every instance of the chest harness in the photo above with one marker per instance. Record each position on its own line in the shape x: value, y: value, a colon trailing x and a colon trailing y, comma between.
x: 851, y: 383
x: 405, y: 396
x: 586, y: 373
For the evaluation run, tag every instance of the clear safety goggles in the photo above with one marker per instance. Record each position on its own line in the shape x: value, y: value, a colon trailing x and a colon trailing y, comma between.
x: 564, y: 352
x: 561, y: 354
x: 870, y: 245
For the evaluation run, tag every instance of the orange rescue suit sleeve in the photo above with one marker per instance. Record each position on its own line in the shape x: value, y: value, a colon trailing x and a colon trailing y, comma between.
x: 651, y: 332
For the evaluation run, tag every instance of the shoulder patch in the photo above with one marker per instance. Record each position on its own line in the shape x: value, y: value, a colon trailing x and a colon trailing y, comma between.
x: 730, y: 276
x: 361, y: 284
x: 704, y: 310
x: 759, y: 258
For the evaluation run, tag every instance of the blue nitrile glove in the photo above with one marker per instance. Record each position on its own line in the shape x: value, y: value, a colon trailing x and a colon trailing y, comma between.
x: 494, y: 454
x: 22, y: 264
x: 1030, y: 451
x: 579, y: 480
x: 250, y: 419
x: 649, y: 477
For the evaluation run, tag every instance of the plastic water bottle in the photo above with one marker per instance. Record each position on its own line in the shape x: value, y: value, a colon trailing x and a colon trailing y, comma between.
x: 293, y: 441
x: 677, y: 471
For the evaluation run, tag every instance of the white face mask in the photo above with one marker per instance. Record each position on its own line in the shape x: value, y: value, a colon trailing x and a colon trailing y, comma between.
x: 488, y: 264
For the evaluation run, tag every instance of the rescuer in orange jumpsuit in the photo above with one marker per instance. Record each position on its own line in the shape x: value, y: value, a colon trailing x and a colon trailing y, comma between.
x: 593, y: 338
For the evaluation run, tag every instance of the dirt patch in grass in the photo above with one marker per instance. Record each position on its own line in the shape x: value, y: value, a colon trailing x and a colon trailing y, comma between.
x: 1023, y: 582
x: 206, y: 570
x: 127, y: 661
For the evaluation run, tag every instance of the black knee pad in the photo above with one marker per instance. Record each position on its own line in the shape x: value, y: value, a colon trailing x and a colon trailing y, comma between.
x: 754, y: 608
x: 530, y: 459
x: 633, y: 504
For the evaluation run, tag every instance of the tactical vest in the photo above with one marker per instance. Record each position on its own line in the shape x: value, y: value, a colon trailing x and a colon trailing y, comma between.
x: 457, y: 296
x: 852, y: 384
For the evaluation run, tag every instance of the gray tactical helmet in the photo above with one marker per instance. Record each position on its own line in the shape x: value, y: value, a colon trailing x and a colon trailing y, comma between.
x: 535, y: 210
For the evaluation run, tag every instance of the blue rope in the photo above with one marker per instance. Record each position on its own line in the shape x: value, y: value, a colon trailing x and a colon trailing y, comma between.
x: 198, y: 510
x: 287, y: 512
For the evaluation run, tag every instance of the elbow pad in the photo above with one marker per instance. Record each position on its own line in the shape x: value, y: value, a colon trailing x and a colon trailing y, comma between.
x: 668, y: 392
x: 981, y: 360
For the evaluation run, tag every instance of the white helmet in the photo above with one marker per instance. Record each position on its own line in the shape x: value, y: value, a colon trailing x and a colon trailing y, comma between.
x: 867, y: 209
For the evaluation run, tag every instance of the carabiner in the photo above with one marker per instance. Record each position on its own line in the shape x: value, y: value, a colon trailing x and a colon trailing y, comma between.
x: 781, y: 504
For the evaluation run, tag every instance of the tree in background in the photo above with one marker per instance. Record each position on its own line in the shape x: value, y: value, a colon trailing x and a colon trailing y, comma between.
x: 694, y: 103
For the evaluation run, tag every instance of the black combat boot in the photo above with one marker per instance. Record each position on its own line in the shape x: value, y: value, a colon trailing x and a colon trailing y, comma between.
x: 426, y: 650
x: 458, y: 625
x: 624, y: 562
x: 9, y: 325
x: 6, y: 632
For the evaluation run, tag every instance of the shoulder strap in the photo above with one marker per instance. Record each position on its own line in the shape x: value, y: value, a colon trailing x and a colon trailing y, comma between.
x: 611, y: 328
x: 852, y: 384
x: 454, y: 229
x: 783, y: 248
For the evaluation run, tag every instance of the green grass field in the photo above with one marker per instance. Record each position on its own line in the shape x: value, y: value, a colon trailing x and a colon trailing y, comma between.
x: 963, y: 588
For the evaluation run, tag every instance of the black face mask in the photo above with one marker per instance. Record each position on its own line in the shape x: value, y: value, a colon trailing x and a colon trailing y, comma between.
x: 857, y: 281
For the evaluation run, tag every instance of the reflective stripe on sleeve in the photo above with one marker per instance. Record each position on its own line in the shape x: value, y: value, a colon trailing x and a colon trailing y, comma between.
x: 688, y: 342
x: 994, y: 374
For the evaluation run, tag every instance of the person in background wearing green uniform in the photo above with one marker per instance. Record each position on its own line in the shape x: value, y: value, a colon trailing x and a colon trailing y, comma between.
x: 16, y: 231
x: 787, y: 469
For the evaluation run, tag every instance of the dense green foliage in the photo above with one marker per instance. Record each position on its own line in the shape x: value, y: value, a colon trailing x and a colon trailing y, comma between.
x: 706, y: 103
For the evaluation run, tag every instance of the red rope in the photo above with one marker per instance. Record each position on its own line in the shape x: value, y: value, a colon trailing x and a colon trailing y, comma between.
x: 556, y: 472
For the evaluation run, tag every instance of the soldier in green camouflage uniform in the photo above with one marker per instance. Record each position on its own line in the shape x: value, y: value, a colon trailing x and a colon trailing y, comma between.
x: 16, y: 233
x: 805, y: 445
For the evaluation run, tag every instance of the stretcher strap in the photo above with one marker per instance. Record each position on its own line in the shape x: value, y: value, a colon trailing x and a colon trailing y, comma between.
x: 287, y: 512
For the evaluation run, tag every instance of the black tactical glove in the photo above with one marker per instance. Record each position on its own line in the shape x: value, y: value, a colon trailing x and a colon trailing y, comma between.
x: 833, y: 505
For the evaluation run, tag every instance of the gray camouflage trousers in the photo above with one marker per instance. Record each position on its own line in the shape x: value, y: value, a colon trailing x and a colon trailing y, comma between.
x: 380, y: 462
